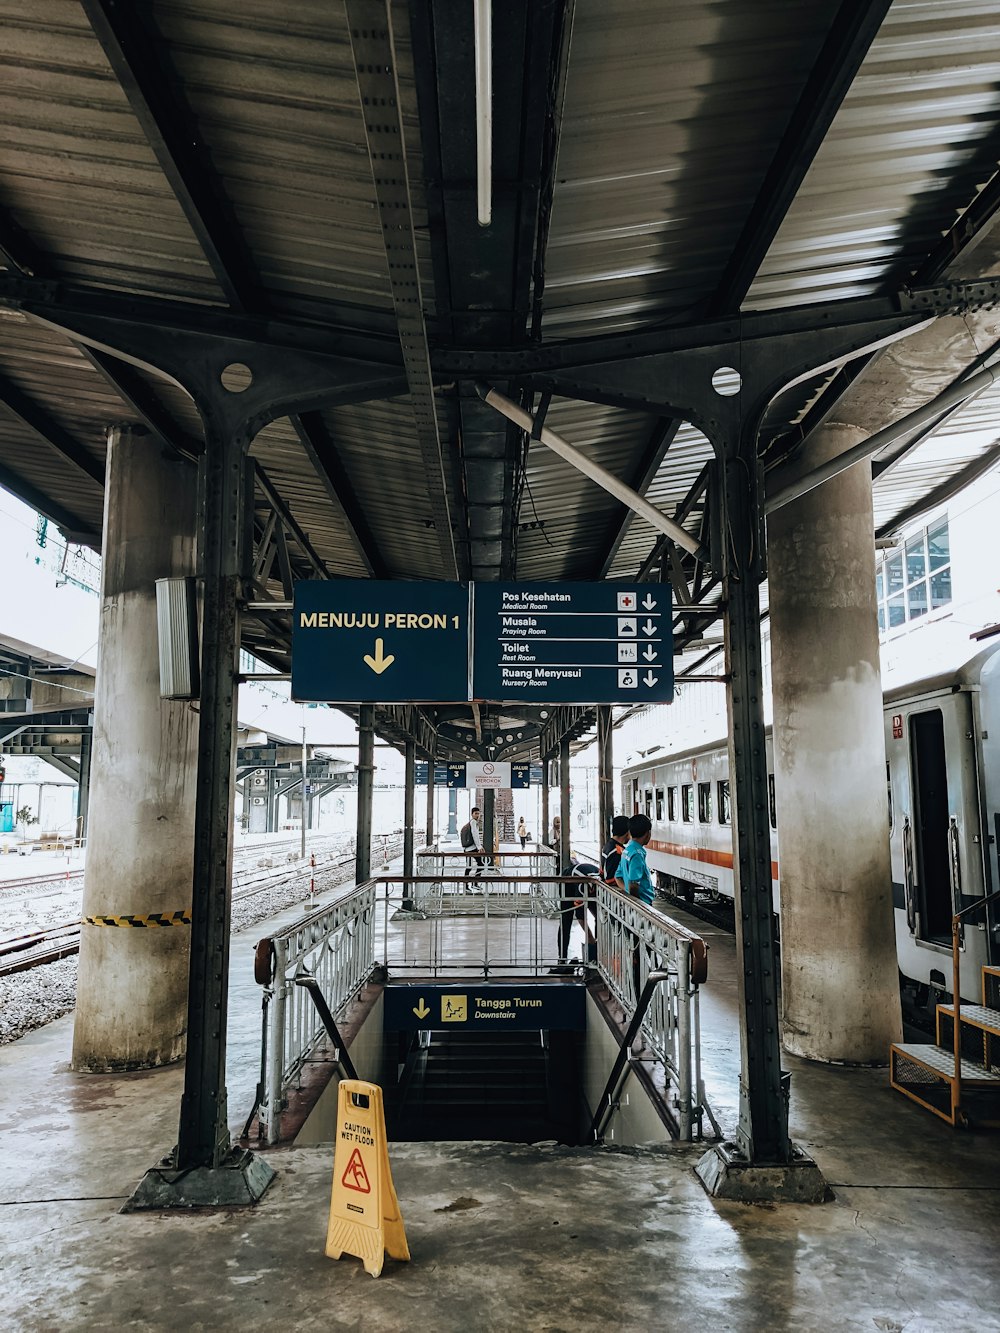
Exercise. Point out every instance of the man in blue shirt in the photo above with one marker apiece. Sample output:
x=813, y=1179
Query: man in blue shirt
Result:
x=633, y=873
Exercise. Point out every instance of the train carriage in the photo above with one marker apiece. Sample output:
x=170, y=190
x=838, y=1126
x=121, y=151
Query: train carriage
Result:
x=942, y=737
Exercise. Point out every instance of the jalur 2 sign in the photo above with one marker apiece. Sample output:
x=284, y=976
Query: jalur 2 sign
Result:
x=368, y=640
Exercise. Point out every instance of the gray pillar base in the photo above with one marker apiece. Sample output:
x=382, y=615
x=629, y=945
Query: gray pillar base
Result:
x=239, y=1182
x=727, y=1174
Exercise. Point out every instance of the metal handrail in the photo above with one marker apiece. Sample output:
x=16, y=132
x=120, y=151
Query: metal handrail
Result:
x=956, y=993
x=340, y=1053
x=605, y=1107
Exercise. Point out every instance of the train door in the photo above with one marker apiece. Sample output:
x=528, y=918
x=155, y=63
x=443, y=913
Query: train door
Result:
x=930, y=826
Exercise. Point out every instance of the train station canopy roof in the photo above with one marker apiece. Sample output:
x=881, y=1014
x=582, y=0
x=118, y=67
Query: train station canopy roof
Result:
x=302, y=179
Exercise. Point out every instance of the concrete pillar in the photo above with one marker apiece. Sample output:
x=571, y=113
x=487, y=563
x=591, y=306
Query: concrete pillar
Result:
x=839, y=973
x=131, y=1006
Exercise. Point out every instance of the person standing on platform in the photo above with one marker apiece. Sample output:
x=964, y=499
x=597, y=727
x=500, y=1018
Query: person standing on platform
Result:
x=472, y=840
x=556, y=832
x=611, y=852
x=633, y=872
x=633, y=876
x=522, y=832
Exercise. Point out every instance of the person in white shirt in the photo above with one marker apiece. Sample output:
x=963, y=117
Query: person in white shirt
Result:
x=472, y=839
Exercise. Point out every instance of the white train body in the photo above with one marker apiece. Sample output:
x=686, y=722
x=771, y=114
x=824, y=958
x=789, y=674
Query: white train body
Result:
x=942, y=738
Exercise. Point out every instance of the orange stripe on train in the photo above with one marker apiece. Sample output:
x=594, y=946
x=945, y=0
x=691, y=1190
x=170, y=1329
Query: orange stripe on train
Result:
x=723, y=859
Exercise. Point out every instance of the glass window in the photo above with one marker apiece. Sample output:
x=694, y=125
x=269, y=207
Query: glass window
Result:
x=687, y=803
x=659, y=805
x=770, y=801
x=939, y=545
x=940, y=588
x=916, y=599
x=705, y=802
x=725, y=814
x=672, y=804
x=649, y=803
x=916, y=560
x=915, y=580
x=894, y=574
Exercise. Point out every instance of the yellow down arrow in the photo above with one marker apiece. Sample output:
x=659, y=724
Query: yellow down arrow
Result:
x=380, y=661
x=421, y=1010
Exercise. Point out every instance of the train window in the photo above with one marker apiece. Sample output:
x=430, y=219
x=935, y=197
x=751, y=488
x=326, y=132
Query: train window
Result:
x=725, y=813
x=705, y=802
x=659, y=805
x=649, y=803
x=672, y=804
x=772, y=809
x=687, y=802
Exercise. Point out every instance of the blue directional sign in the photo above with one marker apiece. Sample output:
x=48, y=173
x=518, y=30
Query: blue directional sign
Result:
x=420, y=774
x=380, y=641
x=523, y=776
x=485, y=1008
x=568, y=643
x=456, y=775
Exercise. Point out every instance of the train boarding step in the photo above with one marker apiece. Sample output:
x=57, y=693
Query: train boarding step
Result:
x=927, y=1074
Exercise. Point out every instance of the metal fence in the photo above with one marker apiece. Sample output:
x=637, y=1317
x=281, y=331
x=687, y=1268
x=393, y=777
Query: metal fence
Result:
x=515, y=922
x=336, y=945
x=634, y=941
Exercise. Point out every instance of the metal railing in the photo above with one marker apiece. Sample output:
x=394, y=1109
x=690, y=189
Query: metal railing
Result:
x=442, y=882
x=957, y=1114
x=515, y=925
x=336, y=947
x=634, y=946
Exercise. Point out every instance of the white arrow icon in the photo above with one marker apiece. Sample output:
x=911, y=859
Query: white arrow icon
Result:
x=649, y=679
x=649, y=653
x=648, y=602
x=649, y=627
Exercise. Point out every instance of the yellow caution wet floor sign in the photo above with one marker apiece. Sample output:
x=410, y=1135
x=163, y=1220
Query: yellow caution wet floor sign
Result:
x=364, y=1212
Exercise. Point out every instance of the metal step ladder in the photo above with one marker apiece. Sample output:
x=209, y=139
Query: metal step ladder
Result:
x=934, y=1075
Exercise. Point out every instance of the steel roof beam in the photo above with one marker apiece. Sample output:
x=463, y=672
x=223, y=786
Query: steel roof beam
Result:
x=658, y=444
x=329, y=466
x=373, y=49
x=172, y=133
x=270, y=493
x=847, y=43
x=18, y=248
x=139, y=398
x=70, y=525
x=30, y=414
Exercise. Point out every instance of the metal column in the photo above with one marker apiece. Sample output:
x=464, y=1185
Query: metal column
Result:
x=429, y=829
x=735, y=1170
x=83, y=796
x=205, y=1168
x=563, y=804
x=543, y=836
x=409, y=792
x=366, y=791
x=489, y=821
x=605, y=774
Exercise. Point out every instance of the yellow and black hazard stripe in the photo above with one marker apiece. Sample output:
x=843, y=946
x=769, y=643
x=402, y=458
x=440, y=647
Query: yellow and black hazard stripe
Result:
x=154, y=919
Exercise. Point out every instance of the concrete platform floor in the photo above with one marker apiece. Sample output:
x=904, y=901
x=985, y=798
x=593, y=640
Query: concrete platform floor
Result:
x=502, y=1237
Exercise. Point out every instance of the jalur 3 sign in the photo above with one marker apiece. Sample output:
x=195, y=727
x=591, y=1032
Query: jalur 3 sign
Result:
x=368, y=640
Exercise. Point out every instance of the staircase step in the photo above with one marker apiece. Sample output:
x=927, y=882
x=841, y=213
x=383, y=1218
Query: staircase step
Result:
x=942, y=1063
x=976, y=1016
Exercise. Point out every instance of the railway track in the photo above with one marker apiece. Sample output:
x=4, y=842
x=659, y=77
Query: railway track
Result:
x=19, y=953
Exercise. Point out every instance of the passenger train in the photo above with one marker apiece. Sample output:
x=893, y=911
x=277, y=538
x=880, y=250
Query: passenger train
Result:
x=942, y=740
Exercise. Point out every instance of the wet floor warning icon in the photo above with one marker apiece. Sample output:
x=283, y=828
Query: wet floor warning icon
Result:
x=356, y=1177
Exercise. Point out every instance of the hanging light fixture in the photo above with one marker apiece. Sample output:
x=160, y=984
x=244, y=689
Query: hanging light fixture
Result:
x=484, y=111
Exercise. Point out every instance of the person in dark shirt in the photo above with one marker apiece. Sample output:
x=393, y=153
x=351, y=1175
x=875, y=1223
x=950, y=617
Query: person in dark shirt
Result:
x=611, y=852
